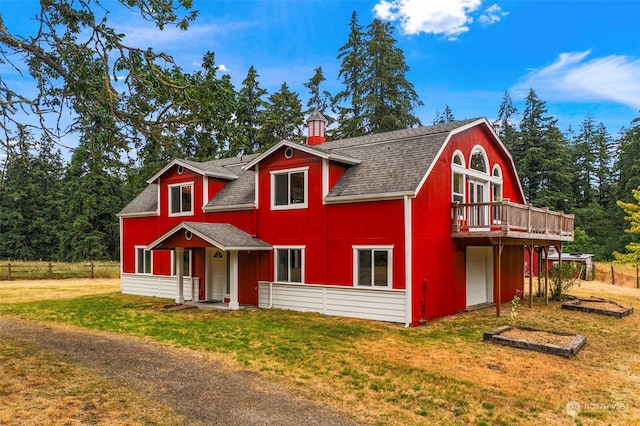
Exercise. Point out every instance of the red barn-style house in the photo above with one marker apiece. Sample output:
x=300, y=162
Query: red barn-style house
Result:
x=403, y=226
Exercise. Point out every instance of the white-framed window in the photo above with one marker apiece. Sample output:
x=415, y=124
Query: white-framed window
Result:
x=181, y=199
x=458, y=181
x=496, y=193
x=144, y=259
x=373, y=266
x=186, y=263
x=478, y=160
x=289, y=264
x=290, y=188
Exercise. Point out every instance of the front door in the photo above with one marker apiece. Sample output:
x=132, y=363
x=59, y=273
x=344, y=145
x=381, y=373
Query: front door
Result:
x=479, y=275
x=218, y=278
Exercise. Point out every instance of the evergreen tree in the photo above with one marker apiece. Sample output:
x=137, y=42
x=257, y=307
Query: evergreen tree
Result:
x=542, y=157
x=319, y=99
x=210, y=125
x=250, y=103
x=31, y=200
x=282, y=118
x=389, y=98
x=355, y=62
x=584, y=158
x=445, y=117
x=505, y=123
x=628, y=161
x=93, y=194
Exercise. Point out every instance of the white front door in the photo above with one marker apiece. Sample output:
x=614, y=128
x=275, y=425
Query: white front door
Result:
x=218, y=270
x=479, y=275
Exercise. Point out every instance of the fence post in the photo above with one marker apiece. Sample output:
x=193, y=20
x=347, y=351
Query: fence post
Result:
x=637, y=276
x=613, y=276
x=92, y=266
x=8, y=271
x=50, y=271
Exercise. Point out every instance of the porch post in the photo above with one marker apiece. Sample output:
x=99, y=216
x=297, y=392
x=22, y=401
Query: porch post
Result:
x=233, y=280
x=179, y=274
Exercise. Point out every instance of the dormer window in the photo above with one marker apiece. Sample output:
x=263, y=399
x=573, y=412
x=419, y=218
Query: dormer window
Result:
x=289, y=189
x=181, y=199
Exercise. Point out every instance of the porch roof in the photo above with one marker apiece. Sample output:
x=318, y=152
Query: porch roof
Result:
x=222, y=235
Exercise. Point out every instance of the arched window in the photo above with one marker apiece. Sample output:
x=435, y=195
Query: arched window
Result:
x=458, y=184
x=478, y=160
x=496, y=185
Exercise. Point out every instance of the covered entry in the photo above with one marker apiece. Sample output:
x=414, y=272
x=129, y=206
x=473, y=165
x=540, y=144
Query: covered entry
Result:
x=224, y=245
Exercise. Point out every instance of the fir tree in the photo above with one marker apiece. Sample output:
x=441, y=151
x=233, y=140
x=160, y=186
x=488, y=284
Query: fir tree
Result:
x=250, y=103
x=282, y=118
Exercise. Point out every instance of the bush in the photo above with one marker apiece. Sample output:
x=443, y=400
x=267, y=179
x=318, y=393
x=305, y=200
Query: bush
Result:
x=562, y=279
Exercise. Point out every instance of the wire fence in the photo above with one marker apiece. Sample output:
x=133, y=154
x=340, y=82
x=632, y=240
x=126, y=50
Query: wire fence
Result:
x=57, y=270
x=624, y=276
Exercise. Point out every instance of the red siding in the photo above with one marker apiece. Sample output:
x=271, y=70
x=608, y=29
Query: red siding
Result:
x=329, y=232
x=439, y=271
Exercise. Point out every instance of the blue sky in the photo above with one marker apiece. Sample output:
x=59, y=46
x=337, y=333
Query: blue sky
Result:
x=579, y=56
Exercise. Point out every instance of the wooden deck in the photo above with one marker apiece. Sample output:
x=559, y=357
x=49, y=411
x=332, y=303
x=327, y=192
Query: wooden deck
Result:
x=510, y=221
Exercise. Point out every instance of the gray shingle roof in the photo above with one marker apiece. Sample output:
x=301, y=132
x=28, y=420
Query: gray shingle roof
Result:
x=222, y=235
x=145, y=202
x=389, y=164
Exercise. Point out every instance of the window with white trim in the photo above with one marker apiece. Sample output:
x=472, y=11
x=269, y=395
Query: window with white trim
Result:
x=372, y=266
x=143, y=261
x=186, y=263
x=181, y=199
x=458, y=181
x=289, y=264
x=496, y=196
x=289, y=189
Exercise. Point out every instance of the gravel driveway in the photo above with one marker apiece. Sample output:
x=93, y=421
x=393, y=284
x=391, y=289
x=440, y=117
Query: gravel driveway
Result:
x=202, y=390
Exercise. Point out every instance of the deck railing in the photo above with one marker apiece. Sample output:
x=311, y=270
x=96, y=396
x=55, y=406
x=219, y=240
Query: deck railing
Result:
x=505, y=216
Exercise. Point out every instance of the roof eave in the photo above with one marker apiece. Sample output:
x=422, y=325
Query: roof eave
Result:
x=368, y=197
x=229, y=208
x=304, y=148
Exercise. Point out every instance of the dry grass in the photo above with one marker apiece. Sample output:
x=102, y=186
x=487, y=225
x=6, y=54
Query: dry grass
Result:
x=441, y=373
x=38, y=389
x=22, y=291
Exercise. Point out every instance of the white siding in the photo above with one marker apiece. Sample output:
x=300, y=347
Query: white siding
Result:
x=154, y=285
x=380, y=305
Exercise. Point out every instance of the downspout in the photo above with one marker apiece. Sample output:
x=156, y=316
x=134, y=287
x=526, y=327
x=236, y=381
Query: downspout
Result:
x=270, y=295
x=408, y=259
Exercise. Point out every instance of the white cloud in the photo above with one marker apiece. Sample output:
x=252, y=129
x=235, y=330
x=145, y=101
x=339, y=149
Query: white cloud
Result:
x=574, y=77
x=491, y=15
x=443, y=17
x=223, y=68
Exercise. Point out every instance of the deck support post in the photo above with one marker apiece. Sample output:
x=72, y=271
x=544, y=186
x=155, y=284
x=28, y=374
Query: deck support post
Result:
x=546, y=274
x=531, y=248
x=498, y=251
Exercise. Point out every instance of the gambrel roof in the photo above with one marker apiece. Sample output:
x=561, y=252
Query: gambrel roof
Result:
x=381, y=166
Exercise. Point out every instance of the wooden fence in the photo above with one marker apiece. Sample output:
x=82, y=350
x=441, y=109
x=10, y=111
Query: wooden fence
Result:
x=50, y=270
x=609, y=274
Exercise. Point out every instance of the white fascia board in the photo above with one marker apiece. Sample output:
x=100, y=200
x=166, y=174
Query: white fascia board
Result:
x=178, y=162
x=303, y=148
x=368, y=197
x=229, y=208
x=139, y=214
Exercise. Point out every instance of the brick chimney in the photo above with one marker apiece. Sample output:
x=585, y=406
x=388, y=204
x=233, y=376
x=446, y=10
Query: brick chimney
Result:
x=315, y=127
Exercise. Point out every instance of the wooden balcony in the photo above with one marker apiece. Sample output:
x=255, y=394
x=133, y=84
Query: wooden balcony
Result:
x=504, y=219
